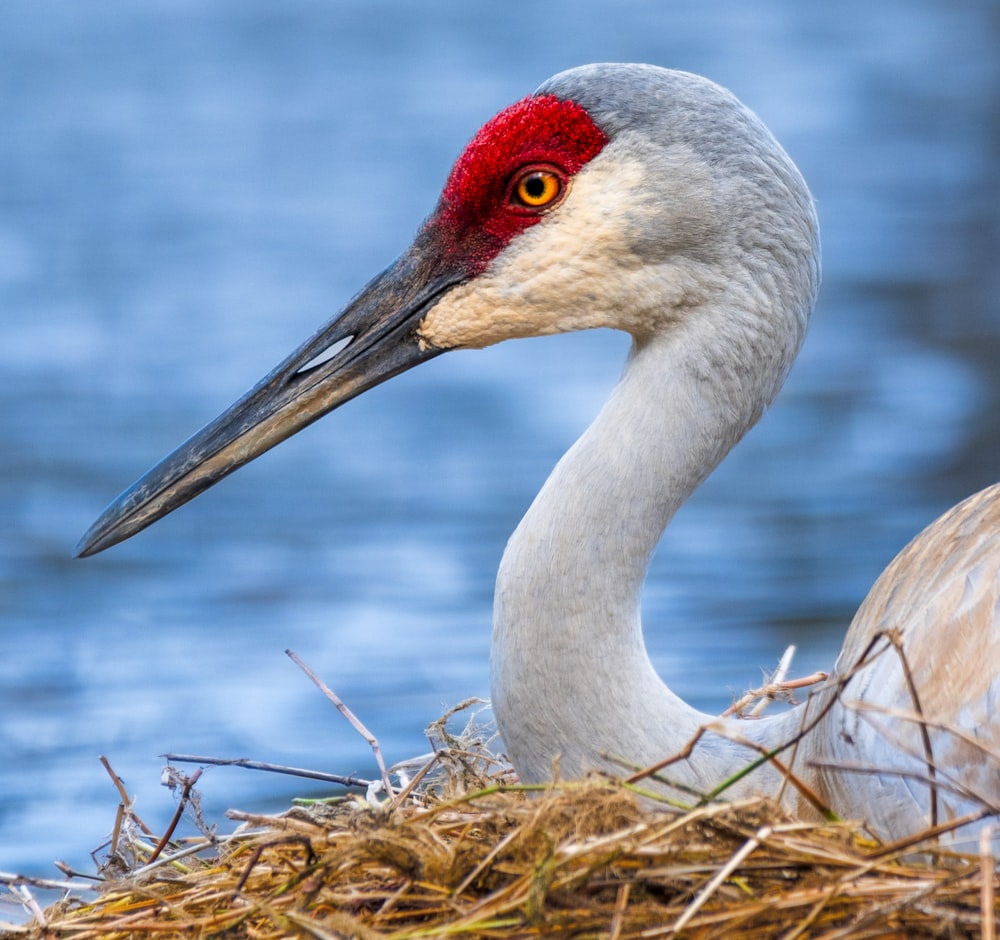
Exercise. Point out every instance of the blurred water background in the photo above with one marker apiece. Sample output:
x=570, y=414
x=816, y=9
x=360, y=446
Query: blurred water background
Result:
x=187, y=190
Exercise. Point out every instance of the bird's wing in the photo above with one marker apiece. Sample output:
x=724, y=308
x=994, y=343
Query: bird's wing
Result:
x=928, y=701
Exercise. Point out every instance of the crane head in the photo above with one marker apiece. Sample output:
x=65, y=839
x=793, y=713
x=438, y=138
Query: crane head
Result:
x=606, y=198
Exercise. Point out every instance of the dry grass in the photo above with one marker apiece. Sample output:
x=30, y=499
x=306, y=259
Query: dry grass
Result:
x=468, y=855
x=461, y=850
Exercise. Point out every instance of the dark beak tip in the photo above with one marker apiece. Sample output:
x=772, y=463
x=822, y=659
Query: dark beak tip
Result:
x=90, y=544
x=83, y=549
x=110, y=528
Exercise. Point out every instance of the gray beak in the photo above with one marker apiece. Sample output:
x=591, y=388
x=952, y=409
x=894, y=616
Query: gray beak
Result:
x=373, y=339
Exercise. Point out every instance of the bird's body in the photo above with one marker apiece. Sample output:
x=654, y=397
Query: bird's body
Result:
x=653, y=202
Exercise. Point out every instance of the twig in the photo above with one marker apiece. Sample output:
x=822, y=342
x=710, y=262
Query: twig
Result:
x=895, y=637
x=116, y=780
x=186, y=852
x=280, y=823
x=270, y=768
x=777, y=686
x=71, y=872
x=355, y=722
x=621, y=906
x=189, y=783
x=887, y=770
x=486, y=861
x=720, y=876
x=254, y=859
x=160, y=861
x=127, y=801
x=767, y=756
x=53, y=884
x=987, y=871
x=776, y=682
x=116, y=830
x=969, y=740
x=411, y=785
x=909, y=843
x=440, y=725
x=30, y=904
x=943, y=779
x=832, y=696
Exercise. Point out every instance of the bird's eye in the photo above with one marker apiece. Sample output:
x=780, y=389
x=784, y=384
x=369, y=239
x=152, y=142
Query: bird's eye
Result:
x=537, y=188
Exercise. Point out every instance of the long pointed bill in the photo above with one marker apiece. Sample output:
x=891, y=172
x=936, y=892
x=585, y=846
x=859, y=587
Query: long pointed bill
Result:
x=371, y=341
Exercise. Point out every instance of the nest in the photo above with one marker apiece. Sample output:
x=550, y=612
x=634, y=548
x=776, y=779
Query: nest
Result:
x=462, y=850
x=590, y=859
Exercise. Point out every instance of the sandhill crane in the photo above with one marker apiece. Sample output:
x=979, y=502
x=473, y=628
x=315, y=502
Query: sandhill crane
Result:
x=649, y=201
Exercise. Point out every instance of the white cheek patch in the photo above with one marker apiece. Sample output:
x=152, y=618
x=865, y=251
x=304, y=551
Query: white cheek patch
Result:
x=568, y=272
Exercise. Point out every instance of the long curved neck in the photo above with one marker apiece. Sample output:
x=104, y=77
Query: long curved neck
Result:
x=571, y=679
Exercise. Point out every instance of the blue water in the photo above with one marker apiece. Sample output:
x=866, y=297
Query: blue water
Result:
x=187, y=190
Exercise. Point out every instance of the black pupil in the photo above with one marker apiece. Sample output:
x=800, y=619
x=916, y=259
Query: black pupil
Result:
x=534, y=186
